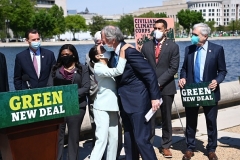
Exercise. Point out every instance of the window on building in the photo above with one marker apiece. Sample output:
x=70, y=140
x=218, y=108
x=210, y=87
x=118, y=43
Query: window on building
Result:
x=224, y=19
x=212, y=14
x=209, y=19
x=200, y=10
x=209, y=10
x=227, y=14
x=212, y=19
x=202, y=4
x=209, y=14
x=212, y=10
x=204, y=14
x=224, y=10
x=205, y=4
x=204, y=10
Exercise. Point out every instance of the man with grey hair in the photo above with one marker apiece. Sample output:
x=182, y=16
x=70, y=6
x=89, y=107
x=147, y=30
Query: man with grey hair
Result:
x=204, y=62
x=138, y=92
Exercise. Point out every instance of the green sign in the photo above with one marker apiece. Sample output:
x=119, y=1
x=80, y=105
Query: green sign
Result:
x=34, y=105
x=197, y=94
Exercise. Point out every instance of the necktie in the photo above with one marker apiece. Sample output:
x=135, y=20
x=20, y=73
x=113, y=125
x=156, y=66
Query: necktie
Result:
x=157, y=51
x=35, y=63
x=197, y=66
x=115, y=60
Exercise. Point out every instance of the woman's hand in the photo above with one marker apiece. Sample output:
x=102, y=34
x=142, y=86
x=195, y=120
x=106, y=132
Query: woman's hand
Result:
x=122, y=51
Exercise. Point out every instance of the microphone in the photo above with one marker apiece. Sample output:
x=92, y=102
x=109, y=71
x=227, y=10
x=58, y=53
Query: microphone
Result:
x=26, y=78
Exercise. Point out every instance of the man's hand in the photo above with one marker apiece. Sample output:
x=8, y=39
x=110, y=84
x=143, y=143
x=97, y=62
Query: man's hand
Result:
x=181, y=82
x=213, y=85
x=155, y=104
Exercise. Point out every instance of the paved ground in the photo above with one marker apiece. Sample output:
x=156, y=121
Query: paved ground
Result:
x=228, y=138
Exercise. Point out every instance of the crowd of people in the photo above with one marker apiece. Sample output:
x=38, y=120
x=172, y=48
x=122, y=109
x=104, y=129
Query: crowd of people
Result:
x=120, y=84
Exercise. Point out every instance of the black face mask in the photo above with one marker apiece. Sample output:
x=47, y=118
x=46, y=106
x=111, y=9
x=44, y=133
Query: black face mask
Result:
x=68, y=60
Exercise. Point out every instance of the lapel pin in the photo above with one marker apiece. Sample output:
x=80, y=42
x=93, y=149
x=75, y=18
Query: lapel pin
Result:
x=210, y=51
x=42, y=56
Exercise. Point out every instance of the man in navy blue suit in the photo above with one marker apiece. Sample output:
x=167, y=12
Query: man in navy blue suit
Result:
x=4, y=86
x=138, y=92
x=34, y=63
x=204, y=62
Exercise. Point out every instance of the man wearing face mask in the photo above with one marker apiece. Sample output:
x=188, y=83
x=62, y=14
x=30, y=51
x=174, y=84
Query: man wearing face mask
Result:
x=203, y=62
x=35, y=62
x=138, y=92
x=163, y=56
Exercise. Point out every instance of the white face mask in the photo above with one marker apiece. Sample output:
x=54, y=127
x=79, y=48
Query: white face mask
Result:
x=158, y=34
x=106, y=55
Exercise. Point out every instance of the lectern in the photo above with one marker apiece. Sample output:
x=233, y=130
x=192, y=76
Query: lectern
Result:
x=29, y=121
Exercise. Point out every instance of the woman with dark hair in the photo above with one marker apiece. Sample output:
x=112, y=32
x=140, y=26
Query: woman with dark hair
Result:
x=71, y=71
x=105, y=107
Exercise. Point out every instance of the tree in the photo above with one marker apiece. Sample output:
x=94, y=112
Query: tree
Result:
x=44, y=23
x=151, y=14
x=97, y=24
x=75, y=23
x=20, y=13
x=126, y=24
x=58, y=16
x=211, y=25
x=188, y=18
x=234, y=25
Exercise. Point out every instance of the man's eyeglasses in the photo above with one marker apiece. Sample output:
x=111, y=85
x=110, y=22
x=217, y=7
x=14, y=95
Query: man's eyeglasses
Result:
x=194, y=34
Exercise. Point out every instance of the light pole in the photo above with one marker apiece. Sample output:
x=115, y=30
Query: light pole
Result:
x=7, y=28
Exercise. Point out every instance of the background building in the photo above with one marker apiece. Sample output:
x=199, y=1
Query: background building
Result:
x=169, y=7
x=50, y=3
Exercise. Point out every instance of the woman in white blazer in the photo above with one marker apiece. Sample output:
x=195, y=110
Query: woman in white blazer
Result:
x=105, y=107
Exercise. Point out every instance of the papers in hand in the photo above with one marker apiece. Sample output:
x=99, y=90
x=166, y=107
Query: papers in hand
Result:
x=150, y=113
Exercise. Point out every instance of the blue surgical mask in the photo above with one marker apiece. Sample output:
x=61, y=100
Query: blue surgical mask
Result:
x=107, y=48
x=35, y=45
x=195, y=39
x=106, y=55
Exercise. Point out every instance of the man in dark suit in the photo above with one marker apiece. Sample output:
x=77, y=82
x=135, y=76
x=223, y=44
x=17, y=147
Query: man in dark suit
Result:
x=4, y=86
x=35, y=62
x=163, y=56
x=203, y=62
x=138, y=93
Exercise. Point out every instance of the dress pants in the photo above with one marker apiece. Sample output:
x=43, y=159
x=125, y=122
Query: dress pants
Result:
x=74, y=124
x=166, y=116
x=210, y=113
x=106, y=134
x=137, y=133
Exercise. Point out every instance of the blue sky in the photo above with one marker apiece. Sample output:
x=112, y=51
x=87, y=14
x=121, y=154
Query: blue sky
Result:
x=110, y=7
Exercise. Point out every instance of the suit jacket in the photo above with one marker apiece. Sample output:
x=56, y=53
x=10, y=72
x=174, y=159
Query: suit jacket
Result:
x=138, y=85
x=24, y=65
x=215, y=66
x=167, y=66
x=4, y=86
x=106, y=98
x=82, y=80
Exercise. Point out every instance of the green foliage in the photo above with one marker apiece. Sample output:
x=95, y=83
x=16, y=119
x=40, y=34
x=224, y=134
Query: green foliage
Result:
x=57, y=14
x=221, y=28
x=97, y=24
x=188, y=18
x=211, y=25
x=44, y=23
x=20, y=13
x=75, y=23
x=153, y=15
x=126, y=24
x=233, y=25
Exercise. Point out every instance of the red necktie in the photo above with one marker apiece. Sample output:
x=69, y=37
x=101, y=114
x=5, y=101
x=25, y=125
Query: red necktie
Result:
x=157, y=51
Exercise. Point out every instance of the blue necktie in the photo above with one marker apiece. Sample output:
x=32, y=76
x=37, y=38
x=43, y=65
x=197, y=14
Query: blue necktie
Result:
x=197, y=66
x=115, y=60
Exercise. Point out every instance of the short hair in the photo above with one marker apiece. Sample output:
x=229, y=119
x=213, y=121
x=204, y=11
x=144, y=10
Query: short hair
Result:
x=163, y=22
x=113, y=32
x=33, y=31
x=97, y=36
x=204, y=28
x=93, y=52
